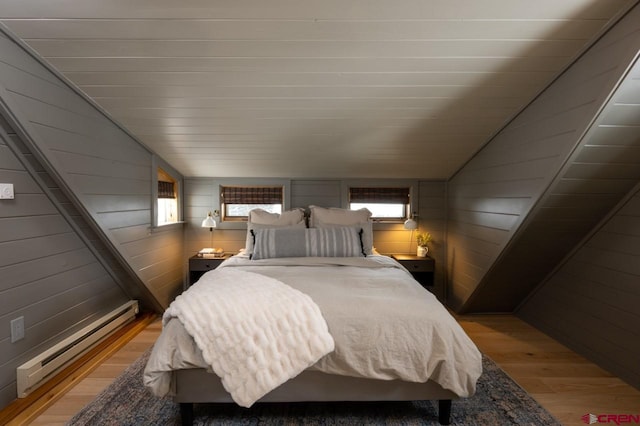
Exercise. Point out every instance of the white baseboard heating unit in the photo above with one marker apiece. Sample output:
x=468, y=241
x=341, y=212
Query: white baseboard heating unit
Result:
x=33, y=373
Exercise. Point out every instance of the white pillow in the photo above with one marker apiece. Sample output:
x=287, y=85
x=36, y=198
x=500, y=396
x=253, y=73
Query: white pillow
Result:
x=322, y=217
x=287, y=218
x=260, y=219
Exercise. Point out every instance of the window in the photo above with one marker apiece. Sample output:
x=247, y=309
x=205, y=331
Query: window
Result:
x=237, y=201
x=384, y=203
x=166, y=193
x=167, y=198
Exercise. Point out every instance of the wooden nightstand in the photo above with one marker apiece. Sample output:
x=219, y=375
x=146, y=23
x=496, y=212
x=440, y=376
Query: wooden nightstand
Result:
x=199, y=265
x=421, y=268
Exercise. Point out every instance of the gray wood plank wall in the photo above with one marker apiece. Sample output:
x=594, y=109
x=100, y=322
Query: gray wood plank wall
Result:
x=590, y=303
x=50, y=276
x=599, y=173
x=202, y=195
x=490, y=198
x=107, y=173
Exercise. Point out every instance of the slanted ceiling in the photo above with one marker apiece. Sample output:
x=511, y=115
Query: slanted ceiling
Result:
x=359, y=88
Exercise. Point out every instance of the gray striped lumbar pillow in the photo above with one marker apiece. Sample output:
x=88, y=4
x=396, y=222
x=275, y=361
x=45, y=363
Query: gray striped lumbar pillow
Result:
x=317, y=242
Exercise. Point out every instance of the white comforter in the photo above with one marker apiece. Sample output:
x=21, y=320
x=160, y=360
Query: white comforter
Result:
x=384, y=324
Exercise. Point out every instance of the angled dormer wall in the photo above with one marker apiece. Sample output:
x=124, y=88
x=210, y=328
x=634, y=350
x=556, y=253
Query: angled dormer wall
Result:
x=76, y=241
x=590, y=302
x=50, y=273
x=532, y=193
x=105, y=173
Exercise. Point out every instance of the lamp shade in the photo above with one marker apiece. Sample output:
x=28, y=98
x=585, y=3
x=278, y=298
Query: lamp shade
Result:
x=410, y=224
x=209, y=221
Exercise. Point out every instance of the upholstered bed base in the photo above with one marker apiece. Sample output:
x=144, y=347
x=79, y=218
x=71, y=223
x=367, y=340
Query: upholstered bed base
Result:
x=198, y=386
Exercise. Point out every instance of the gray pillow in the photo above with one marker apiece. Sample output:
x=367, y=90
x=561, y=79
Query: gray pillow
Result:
x=306, y=242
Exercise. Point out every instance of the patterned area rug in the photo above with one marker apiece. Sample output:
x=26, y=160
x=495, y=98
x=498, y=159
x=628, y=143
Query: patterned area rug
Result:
x=498, y=401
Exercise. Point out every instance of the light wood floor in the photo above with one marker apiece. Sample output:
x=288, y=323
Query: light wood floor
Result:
x=563, y=382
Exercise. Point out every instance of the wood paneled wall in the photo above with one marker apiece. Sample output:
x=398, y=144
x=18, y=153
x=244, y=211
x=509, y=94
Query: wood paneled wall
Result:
x=590, y=303
x=202, y=195
x=492, y=263
x=600, y=172
x=101, y=168
x=49, y=274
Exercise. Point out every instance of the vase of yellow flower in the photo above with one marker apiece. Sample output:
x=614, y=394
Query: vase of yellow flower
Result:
x=422, y=239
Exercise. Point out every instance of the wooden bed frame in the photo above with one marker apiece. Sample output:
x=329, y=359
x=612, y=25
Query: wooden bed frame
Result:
x=198, y=386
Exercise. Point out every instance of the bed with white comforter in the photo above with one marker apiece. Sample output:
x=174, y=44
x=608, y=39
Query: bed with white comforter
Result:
x=379, y=323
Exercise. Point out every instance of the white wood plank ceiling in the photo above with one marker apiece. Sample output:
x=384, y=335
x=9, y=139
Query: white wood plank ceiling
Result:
x=291, y=88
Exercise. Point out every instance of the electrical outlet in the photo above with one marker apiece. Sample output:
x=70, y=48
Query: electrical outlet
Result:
x=6, y=191
x=17, y=329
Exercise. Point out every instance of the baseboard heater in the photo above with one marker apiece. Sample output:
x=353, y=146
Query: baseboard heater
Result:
x=34, y=372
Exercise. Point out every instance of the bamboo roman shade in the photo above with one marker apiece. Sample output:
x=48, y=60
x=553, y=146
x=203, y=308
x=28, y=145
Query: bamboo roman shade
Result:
x=166, y=189
x=379, y=195
x=251, y=194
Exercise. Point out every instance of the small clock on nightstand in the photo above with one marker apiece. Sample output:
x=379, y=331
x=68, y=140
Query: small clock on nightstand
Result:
x=421, y=268
x=199, y=265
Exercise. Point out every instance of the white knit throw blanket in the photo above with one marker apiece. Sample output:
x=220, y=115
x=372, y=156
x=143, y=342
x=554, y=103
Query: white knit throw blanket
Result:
x=254, y=331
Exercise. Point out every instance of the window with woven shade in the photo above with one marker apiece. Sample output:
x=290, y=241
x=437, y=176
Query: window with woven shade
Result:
x=167, y=208
x=237, y=201
x=385, y=203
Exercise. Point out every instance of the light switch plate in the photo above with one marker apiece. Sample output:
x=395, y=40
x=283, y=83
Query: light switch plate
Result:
x=6, y=191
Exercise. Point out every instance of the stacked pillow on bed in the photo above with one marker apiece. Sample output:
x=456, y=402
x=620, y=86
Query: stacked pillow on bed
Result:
x=262, y=219
x=332, y=232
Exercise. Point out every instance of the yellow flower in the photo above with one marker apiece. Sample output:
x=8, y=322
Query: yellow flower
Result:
x=423, y=238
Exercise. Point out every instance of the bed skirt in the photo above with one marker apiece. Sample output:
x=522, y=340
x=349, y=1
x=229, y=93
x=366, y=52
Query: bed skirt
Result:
x=199, y=386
